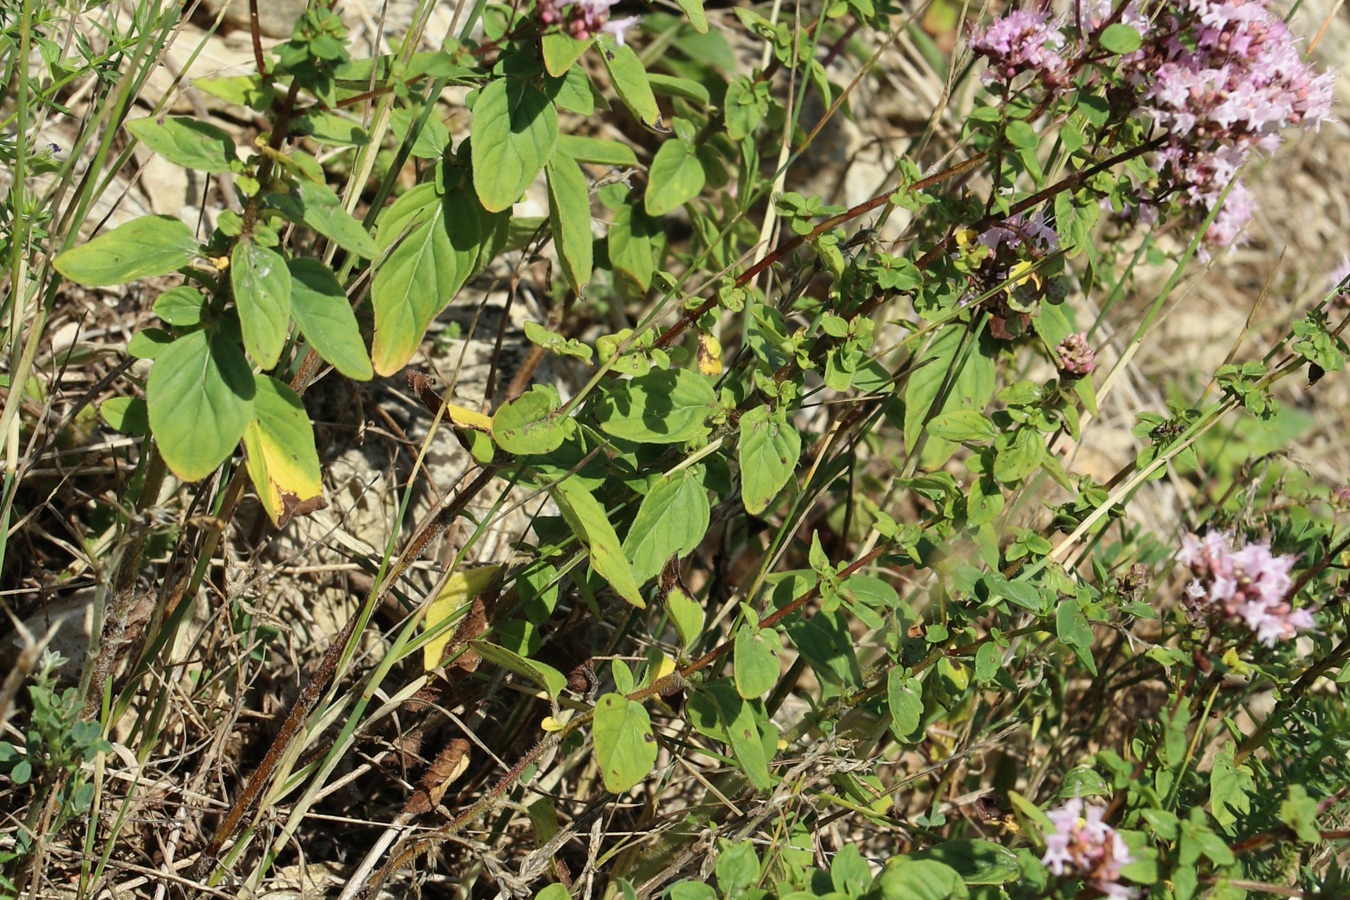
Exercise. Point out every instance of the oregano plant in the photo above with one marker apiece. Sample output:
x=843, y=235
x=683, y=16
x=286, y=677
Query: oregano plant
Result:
x=812, y=594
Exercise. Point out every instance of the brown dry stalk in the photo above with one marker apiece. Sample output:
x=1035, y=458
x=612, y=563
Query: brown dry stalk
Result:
x=309, y=697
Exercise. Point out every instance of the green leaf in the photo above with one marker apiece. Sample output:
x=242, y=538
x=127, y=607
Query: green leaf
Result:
x=515, y=128
x=669, y=406
x=768, y=455
x=128, y=415
x=969, y=389
x=441, y=243
x=553, y=892
x=555, y=343
x=200, y=400
x=187, y=142
x=600, y=151
x=325, y=318
x=282, y=460
x=1072, y=629
x=238, y=90
x=148, y=343
x=1071, y=625
x=697, y=17
x=1198, y=839
x=1082, y=781
x=630, y=79
x=904, y=696
x=561, y=51
x=333, y=129
x=1074, y=219
x=1120, y=39
x=745, y=105
x=1020, y=458
x=547, y=677
x=529, y=424
x=1175, y=741
x=962, y=425
x=687, y=616
x=625, y=747
x=983, y=502
x=622, y=675
x=262, y=291
x=871, y=591
x=827, y=644
x=569, y=214
x=317, y=206
x=182, y=307
x=590, y=523
x=142, y=248
x=1022, y=593
x=538, y=589
x=1230, y=788
x=1299, y=812
x=674, y=86
x=755, y=664
x=574, y=93
x=977, y=862
x=430, y=141
x=987, y=662
x=676, y=177
x=738, y=719
x=737, y=868
x=635, y=239
x=671, y=521
x=905, y=878
x=1022, y=135
x=849, y=873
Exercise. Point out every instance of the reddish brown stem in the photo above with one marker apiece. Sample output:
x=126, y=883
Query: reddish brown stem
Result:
x=255, y=31
x=673, y=333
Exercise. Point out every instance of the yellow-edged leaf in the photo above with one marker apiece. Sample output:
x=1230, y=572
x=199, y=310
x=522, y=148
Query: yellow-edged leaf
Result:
x=281, y=458
x=467, y=418
x=459, y=590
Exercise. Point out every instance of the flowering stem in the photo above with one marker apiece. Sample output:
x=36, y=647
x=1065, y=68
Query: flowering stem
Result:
x=1047, y=193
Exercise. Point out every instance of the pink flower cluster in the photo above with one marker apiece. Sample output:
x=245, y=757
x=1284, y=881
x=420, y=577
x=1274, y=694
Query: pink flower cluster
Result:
x=1022, y=41
x=1336, y=283
x=1018, y=231
x=1084, y=845
x=1076, y=357
x=583, y=19
x=1248, y=585
x=1221, y=78
x=1223, y=83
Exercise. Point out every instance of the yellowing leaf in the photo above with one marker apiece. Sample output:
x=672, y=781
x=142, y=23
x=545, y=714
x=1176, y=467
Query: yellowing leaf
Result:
x=459, y=590
x=467, y=418
x=1023, y=272
x=709, y=354
x=664, y=668
x=281, y=457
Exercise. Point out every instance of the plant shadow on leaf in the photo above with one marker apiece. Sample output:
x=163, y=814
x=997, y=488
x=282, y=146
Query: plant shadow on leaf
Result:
x=662, y=407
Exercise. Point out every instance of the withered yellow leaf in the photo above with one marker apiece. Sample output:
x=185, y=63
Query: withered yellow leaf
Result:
x=282, y=461
x=467, y=418
x=459, y=590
